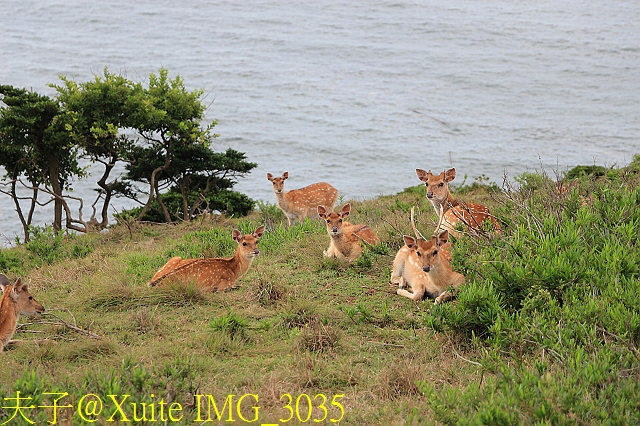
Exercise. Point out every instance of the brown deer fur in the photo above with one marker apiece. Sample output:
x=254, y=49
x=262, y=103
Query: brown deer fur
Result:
x=16, y=300
x=300, y=203
x=425, y=266
x=346, y=239
x=470, y=214
x=213, y=274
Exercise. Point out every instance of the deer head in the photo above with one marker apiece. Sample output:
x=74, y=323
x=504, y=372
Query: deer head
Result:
x=334, y=220
x=278, y=182
x=248, y=244
x=427, y=252
x=19, y=294
x=437, y=185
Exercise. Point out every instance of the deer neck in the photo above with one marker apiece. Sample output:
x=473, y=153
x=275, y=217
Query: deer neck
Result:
x=442, y=274
x=281, y=199
x=240, y=263
x=447, y=203
x=340, y=241
x=8, y=318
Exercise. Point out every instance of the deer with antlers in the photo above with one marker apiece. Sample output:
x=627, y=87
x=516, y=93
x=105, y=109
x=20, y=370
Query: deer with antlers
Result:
x=212, y=274
x=425, y=266
x=470, y=214
x=346, y=239
x=300, y=203
x=16, y=300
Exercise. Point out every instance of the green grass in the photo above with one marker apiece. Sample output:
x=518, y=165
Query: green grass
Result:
x=546, y=330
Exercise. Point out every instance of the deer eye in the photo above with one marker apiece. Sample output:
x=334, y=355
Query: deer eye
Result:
x=30, y=297
x=435, y=252
x=244, y=243
x=441, y=184
x=419, y=254
x=340, y=221
x=328, y=221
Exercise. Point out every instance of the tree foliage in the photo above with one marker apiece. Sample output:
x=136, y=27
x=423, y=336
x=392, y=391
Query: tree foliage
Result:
x=34, y=144
x=99, y=116
x=155, y=130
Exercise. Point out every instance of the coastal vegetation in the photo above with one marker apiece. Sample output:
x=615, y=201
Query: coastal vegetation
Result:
x=545, y=330
x=154, y=130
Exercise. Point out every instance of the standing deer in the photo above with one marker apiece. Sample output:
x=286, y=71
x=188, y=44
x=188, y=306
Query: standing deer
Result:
x=425, y=266
x=213, y=274
x=346, y=239
x=16, y=300
x=300, y=203
x=470, y=214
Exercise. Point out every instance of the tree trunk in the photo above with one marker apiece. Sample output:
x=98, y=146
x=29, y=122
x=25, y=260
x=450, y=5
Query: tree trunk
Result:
x=108, y=190
x=153, y=185
x=25, y=225
x=165, y=212
x=54, y=171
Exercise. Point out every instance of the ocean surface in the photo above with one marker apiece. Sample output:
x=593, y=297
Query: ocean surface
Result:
x=359, y=94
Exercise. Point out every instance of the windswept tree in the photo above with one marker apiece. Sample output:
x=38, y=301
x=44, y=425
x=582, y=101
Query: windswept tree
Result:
x=34, y=145
x=198, y=180
x=156, y=131
x=171, y=121
x=100, y=118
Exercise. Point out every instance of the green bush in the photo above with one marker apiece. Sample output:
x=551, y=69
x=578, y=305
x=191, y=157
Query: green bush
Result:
x=227, y=202
x=560, y=287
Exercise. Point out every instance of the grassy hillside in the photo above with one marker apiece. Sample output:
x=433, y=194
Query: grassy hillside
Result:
x=546, y=330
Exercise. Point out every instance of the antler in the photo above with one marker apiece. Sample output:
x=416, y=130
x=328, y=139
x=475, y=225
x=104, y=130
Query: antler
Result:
x=440, y=220
x=415, y=230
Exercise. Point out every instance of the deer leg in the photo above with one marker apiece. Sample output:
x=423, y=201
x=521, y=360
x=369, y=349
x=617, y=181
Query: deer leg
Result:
x=417, y=296
x=444, y=297
x=396, y=273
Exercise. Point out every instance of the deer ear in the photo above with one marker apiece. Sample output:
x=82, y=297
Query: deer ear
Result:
x=237, y=235
x=422, y=175
x=450, y=175
x=443, y=238
x=285, y=176
x=4, y=280
x=258, y=232
x=269, y=176
x=409, y=241
x=18, y=286
x=322, y=212
x=346, y=210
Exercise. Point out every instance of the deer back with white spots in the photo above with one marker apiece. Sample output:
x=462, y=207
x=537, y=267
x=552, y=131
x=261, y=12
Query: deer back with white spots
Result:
x=300, y=203
x=346, y=238
x=16, y=300
x=212, y=274
x=470, y=214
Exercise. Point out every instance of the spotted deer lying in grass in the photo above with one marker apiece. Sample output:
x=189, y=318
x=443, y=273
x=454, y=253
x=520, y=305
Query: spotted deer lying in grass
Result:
x=470, y=214
x=564, y=192
x=212, y=274
x=425, y=266
x=300, y=203
x=346, y=239
x=16, y=300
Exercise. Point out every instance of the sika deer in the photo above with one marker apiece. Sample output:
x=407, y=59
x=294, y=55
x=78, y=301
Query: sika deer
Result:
x=425, y=265
x=470, y=214
x=300, y=203
x=564, y=192
x=346, y=239
x=16, y=300
x=213, y=274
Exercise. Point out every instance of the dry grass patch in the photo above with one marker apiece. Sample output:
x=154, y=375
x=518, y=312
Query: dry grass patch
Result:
x=399, y=380
x=266, y=292
x=318, y=337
